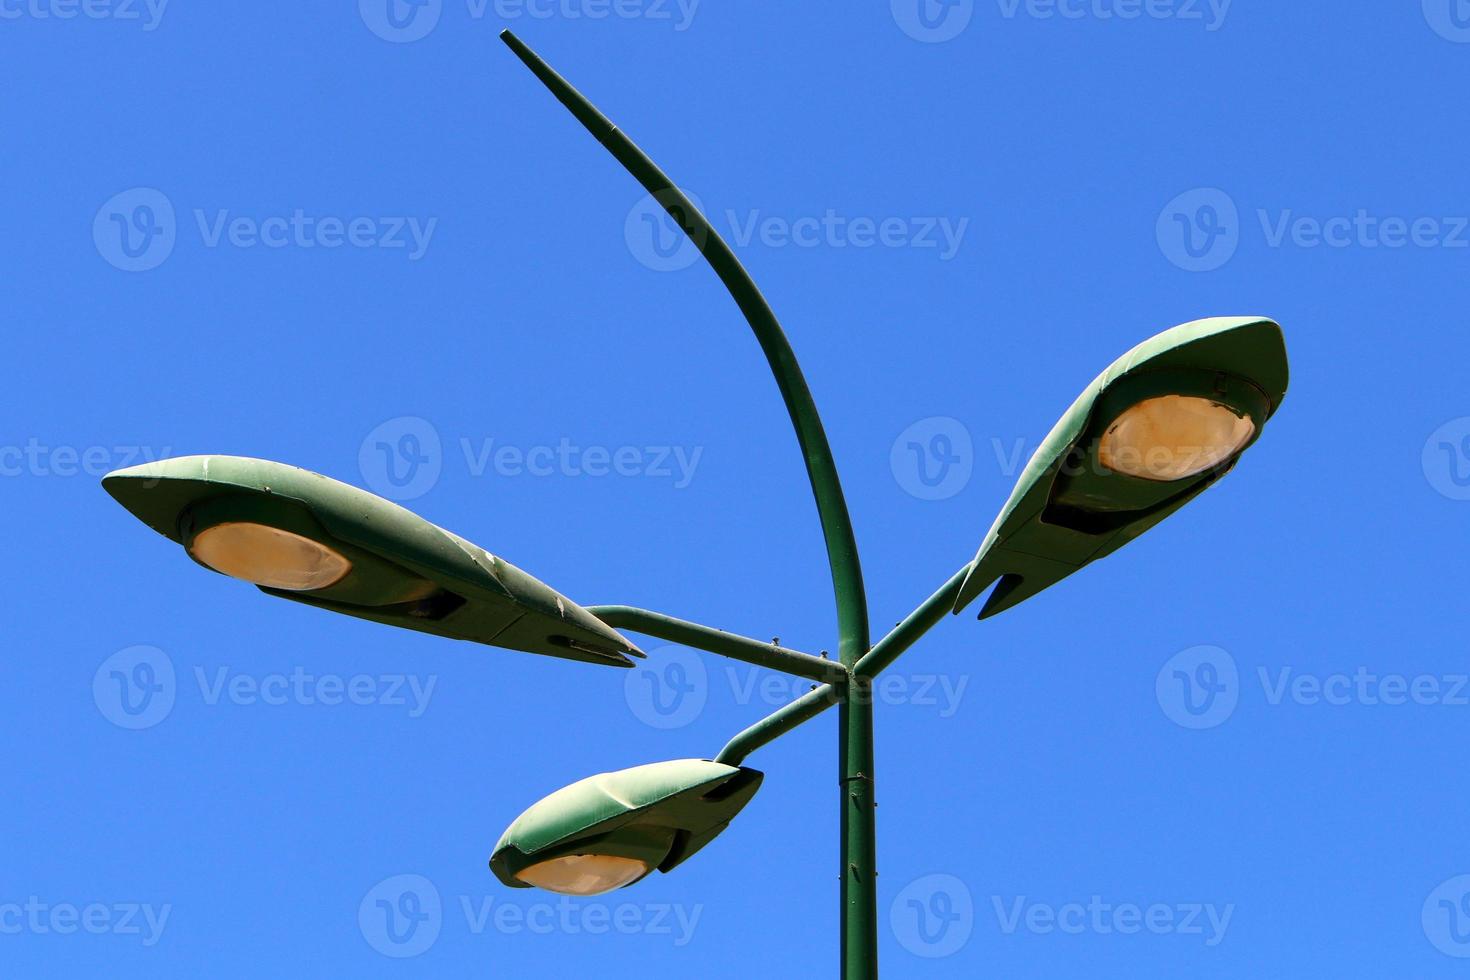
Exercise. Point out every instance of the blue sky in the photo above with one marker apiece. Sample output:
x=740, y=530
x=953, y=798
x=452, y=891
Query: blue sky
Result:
x=363, y=240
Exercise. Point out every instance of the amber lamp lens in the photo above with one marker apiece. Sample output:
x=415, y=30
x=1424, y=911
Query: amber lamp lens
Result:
x=269, y=556
x=584, y=874
x=1174, y=437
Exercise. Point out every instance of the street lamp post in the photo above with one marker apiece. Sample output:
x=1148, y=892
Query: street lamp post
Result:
x=1153, y=431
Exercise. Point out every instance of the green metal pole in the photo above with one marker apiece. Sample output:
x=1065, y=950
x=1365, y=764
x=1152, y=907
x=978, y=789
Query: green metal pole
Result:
x=859, y=833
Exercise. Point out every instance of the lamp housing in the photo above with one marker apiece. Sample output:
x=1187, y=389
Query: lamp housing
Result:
x=306, y=537
x=615, y=828
x=1112, y=467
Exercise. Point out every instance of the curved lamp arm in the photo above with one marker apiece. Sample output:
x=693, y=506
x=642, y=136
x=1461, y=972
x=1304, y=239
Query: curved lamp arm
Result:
x=915, y=625
x=842, y=555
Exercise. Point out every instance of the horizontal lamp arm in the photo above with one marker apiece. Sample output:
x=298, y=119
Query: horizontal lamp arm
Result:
x=730, y=645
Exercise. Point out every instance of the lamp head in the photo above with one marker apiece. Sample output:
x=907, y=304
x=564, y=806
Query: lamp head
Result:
x=302, y=536
x=610, y=830
x=1161, y=424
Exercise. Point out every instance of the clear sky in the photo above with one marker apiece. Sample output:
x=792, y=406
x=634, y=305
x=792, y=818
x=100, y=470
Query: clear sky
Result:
x=361, y=238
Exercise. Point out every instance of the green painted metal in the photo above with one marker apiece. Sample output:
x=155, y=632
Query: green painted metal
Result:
x=405, y=571
x=883, y=654
x=661, y=813
x=1067, y=510
x=914, y=626
x=778, y=723
x=859, y=832
x=718, y=641
x=847, y=577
